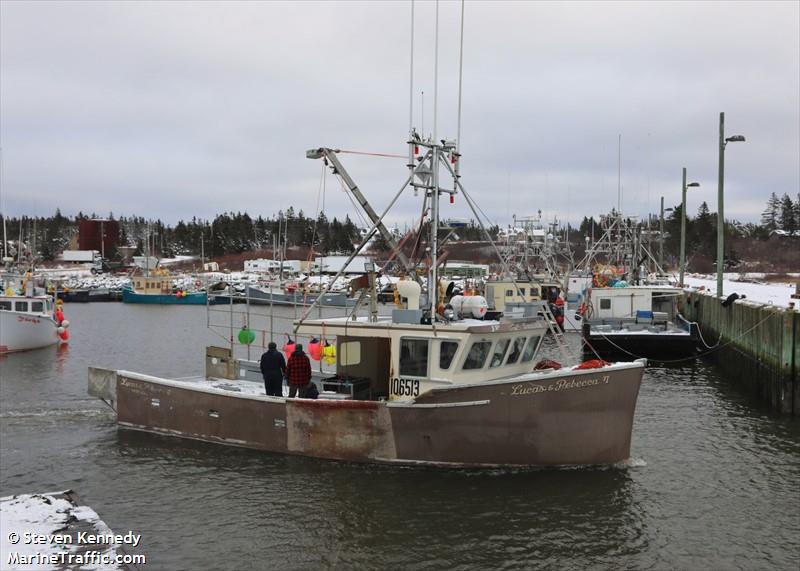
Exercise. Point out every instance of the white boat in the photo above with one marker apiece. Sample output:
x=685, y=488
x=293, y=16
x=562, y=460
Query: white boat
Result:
x=27, y=322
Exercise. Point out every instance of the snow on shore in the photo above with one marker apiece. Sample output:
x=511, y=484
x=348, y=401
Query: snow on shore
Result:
x=27, y=518
x=774, y=293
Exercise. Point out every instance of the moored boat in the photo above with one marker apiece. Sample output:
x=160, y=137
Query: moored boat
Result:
x=627, y=323
x=275, y=295
x=437, y=383
x=158, y=289
x=29, y=320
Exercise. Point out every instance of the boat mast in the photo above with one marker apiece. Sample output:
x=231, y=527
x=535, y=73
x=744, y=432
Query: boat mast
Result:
x=433, y=283
x=2, y=210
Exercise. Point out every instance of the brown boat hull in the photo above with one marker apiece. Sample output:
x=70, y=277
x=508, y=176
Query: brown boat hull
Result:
x=563, y=419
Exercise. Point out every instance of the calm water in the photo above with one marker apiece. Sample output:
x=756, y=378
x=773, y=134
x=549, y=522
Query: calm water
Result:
x=714, y=482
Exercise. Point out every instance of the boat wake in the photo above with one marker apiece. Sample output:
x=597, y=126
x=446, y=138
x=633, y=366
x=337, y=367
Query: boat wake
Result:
x=54, y=414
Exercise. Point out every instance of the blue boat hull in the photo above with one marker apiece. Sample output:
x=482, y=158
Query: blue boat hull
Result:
x=196, y=298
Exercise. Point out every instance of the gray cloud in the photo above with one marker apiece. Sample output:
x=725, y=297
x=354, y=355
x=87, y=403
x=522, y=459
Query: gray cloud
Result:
x=179, y=109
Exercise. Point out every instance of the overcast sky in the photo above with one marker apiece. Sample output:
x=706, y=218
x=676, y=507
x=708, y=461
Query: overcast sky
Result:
x=183, y=109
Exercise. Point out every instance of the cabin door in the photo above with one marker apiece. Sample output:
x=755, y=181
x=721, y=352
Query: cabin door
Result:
x=365, y=358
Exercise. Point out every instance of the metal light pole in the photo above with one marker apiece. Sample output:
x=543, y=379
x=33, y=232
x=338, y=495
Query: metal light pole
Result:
x=661, y=234
x=661, y=237
x=684, y=186
x=720, y=214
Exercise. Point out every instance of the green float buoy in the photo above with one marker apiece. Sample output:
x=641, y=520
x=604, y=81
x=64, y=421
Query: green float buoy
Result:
x=246, y=336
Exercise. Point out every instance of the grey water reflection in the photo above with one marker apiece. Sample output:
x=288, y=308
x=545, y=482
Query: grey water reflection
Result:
x=366, y=516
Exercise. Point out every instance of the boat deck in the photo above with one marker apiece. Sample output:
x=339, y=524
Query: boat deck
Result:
x=249, y=389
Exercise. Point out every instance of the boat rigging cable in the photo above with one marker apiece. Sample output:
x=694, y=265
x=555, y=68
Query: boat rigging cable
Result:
x=411, y=87
x=460, y=83
x=369, y=154
x=320, y=198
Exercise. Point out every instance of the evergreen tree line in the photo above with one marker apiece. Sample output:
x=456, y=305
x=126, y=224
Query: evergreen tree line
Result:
x=235, y=233
x=781, y=214
x=227, y=233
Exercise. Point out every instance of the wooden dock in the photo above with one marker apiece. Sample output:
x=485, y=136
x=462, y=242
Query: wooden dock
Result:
x=755, y=344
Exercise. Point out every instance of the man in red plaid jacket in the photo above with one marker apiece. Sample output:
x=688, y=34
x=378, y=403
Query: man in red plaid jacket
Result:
x=298, y=373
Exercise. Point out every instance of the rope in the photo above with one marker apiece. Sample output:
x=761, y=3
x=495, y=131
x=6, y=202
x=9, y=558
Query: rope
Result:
x=700, y=333
x=320, y=193
x=353, y=202
x=591, y=347
x=386, y=155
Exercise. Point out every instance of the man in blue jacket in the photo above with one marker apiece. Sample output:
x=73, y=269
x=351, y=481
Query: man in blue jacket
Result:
x=273, y=367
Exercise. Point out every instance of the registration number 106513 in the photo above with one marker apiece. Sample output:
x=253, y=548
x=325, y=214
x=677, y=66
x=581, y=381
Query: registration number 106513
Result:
x=404, y=387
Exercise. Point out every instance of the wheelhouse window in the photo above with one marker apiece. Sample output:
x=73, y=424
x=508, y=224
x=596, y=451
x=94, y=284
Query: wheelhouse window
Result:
x=499, y=353
x=414, y=357
x=37, y=306
x=5, y=306
x=477, y=355
x=21, y=306
x=447, y=350
x=530, y=349
x=516, y=350
x=350, y=353
x=509, y=292
x=605, y=303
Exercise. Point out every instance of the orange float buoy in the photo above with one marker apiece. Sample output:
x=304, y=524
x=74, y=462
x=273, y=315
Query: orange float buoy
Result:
x=315, y=349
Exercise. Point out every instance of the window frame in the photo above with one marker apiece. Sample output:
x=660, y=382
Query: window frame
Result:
x=485, y=358
x=427, y=358
x=507, y=341
x=521, y=350
x=457, y=343
x=535, y=339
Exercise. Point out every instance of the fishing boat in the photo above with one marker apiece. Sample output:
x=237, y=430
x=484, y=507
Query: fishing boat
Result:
x=158, y=289
x=90, y=294
x=439, y=382
x=276, y=295
x=634, y=322
x=29, y=320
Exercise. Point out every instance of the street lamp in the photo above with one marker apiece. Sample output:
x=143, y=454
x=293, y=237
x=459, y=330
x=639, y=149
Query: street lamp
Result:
x=720, y=203
x=661, y=235
x=684, y=186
